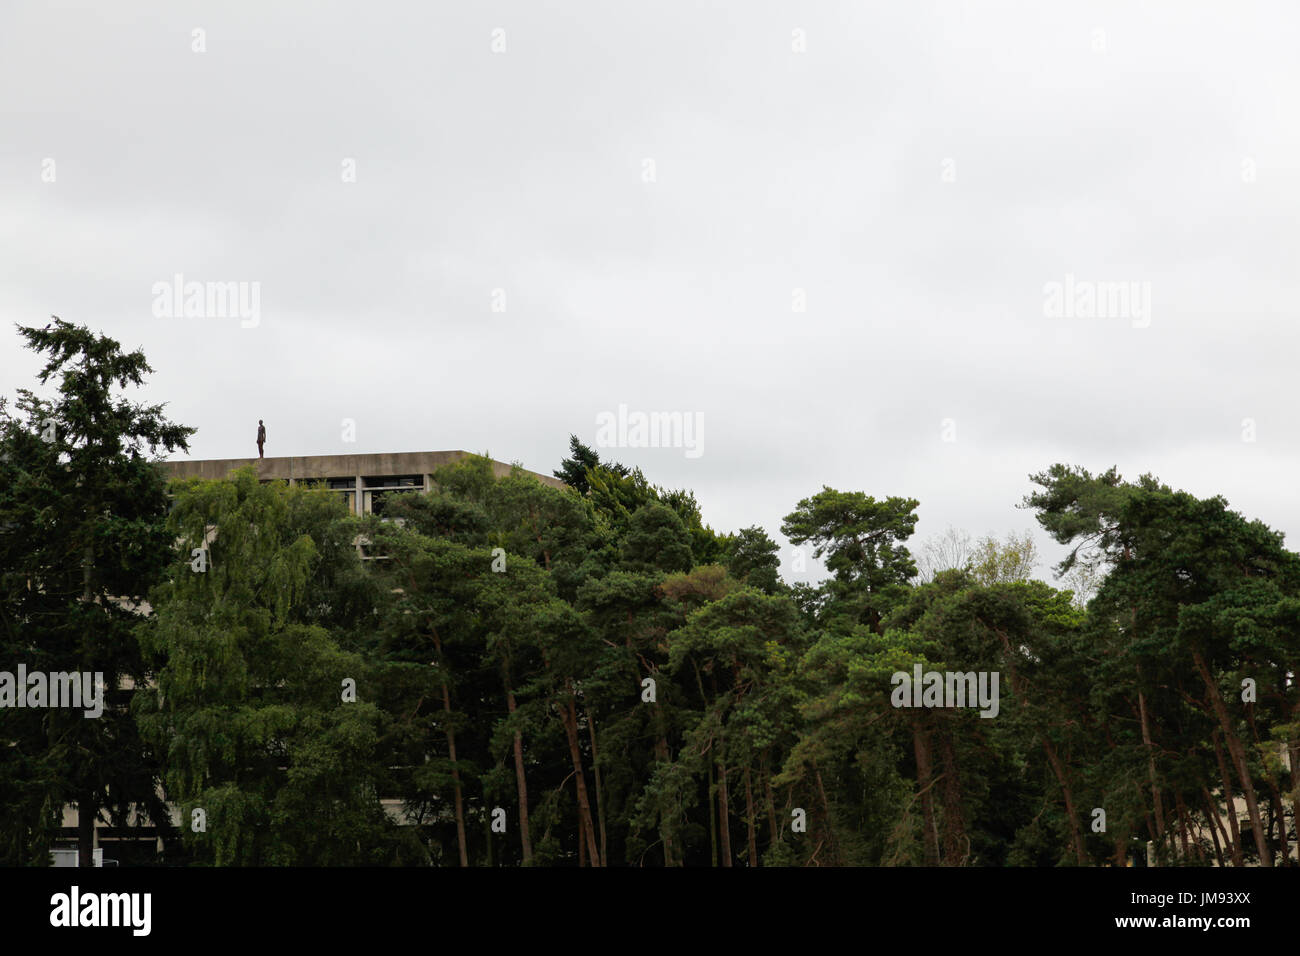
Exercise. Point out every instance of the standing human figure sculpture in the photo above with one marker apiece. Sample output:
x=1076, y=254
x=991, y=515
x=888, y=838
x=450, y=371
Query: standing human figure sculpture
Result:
x=261, y=437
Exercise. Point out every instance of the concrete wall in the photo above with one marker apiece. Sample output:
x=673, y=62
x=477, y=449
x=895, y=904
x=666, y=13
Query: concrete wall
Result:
x=316, y=467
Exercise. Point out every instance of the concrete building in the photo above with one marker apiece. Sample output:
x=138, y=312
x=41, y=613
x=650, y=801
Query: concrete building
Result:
x=365, y=480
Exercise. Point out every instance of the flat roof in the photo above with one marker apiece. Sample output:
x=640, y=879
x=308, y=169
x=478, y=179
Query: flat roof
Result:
x=316, y=467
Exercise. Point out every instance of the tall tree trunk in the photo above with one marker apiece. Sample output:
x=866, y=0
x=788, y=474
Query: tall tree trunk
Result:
x=1182, y=827
x=713, y=831
x=1214, y=828
x=1277, y=811
x=87, y=808
x=1058, y=767
x=773, y=828
x=826, y=817
x=569, y=716
x=1277, y=807
x=86, y=811
x=1230, y=805
x=724, y=808
x=713, y=819
x=1152, y=777
x=1238, y=754
x=455, y=779
x=1076, y=828
x=1293, y=758
x=1293, y=755
x=662, y=754
x=924, y=773
x=665, y=826
x=450, y=733
x=954, y=825
x=749, y=819
x=1216, y=824
x=600, y=802
x=521, y=782
x=724, y=814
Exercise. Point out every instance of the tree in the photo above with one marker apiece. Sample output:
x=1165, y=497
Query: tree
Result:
x=863, y=539
x=573, y=470
x=656, y=541
x=265, y=722
x=1195, y=595
x=82, y=512
x=950, y=551
x=1003, y=562
x=730, y=645
x=754, y=558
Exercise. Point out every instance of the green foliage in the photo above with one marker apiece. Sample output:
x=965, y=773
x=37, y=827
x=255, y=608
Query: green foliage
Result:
x=82, y=540
x=619, y=682
x=250, y=706
x=573, y=471
x=753, y=557
x=862, y=540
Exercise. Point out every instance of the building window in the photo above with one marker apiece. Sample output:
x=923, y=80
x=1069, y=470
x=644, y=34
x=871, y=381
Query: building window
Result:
x=377, y=489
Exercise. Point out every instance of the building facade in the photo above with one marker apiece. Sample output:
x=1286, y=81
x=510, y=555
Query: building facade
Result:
x=364, y=480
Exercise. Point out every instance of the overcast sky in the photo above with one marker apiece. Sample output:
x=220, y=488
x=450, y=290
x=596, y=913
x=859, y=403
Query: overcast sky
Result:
x=651, y=192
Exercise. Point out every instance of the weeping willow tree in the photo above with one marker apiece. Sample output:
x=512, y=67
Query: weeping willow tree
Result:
x=258, y=708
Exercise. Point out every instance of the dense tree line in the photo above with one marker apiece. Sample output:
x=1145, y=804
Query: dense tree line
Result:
x=502, y=672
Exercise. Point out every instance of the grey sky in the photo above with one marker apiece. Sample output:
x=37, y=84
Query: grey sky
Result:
x=920, y=172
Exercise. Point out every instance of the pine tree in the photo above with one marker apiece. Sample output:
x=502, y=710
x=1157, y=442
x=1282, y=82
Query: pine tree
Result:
x=82, y=511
